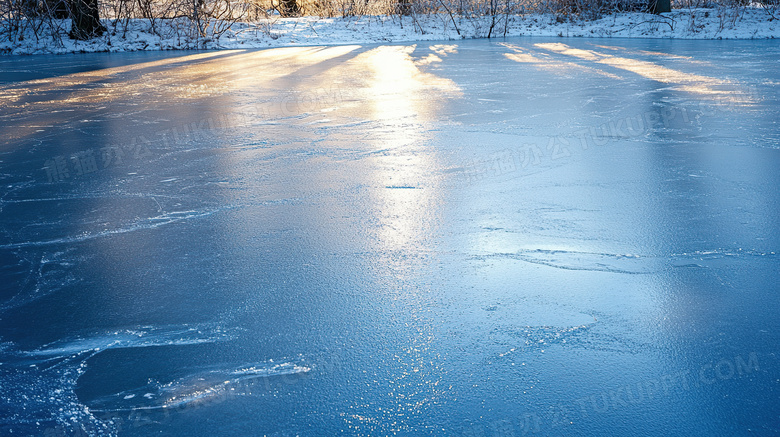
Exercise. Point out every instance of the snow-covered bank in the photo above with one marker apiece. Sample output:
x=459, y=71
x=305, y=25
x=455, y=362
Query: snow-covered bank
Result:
x=745, y=23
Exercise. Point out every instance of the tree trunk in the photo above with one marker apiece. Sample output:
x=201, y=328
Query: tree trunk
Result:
x=660, y=6
x=86, y=21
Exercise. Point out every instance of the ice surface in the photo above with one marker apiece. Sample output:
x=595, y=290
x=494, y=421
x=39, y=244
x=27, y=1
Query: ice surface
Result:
x=38, y=385
x=200, y=387
x=530, y=236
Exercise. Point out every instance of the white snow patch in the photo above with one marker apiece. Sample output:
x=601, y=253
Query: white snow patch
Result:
x=746, y=23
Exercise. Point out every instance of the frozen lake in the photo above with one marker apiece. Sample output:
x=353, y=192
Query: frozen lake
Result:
x=525, y=237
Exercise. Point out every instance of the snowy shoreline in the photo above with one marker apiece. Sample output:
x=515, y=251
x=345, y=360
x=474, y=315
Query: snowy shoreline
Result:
x=136, y=35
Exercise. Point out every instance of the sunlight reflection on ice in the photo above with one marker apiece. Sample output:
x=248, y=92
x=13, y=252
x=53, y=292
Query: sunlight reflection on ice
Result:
x=687, y=82
x=395, y=88
x=543, y=61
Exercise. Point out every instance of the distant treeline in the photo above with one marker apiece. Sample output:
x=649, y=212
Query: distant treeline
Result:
x=210, y=18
